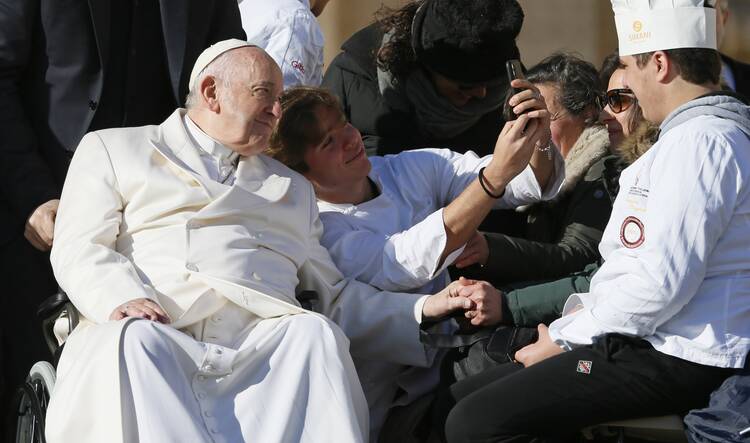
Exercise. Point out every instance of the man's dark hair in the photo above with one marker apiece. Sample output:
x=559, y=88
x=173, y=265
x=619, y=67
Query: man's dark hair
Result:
x=577, y=81
x=695, y=65
x=298, y=128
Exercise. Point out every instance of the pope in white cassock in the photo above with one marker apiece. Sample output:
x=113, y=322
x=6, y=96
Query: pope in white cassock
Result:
x=184, y=250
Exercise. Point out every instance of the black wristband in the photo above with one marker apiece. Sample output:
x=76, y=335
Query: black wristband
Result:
x=484, y=186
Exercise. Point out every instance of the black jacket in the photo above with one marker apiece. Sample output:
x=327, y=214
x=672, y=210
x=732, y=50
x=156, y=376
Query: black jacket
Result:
x=741, y=73
x=352, y=76
x=51, y=77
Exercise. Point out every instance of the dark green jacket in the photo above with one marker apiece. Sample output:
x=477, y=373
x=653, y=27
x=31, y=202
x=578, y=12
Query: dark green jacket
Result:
x=531, y=304
x=552, y=239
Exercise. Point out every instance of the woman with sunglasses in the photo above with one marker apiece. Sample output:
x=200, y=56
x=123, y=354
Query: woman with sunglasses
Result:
x=553, y=239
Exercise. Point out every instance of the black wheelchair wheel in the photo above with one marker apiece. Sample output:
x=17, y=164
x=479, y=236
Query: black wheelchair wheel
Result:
x=32, y=399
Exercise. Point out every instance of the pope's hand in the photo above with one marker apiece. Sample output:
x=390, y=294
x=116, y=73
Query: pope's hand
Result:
x=40, y=227
x=140, y=308
x=447, y=301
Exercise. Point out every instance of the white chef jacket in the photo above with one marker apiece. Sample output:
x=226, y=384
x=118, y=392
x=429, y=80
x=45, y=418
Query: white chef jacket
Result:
x=394, y=241
x=676, y=250
x=290, y=34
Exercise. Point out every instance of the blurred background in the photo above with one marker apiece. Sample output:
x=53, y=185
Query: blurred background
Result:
x=585, y=27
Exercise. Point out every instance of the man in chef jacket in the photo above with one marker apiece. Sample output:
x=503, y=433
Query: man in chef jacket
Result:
x=665, y=321
x=185, y=249
x=288, y=30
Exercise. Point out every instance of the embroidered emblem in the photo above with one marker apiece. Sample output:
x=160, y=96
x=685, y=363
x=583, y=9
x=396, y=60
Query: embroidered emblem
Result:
x=584, y=366
x=296, y=64
x=632, y=232
x=637, y=197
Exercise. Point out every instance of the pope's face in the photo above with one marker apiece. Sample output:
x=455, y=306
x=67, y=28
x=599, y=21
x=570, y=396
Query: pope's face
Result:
x=338, y=163
x=250, y=106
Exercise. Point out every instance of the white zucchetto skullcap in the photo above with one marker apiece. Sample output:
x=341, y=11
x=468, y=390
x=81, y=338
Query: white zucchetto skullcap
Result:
x=654, y=25
x=213, y=51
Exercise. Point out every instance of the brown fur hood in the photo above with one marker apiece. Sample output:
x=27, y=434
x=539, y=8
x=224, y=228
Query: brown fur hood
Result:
x=638, y=142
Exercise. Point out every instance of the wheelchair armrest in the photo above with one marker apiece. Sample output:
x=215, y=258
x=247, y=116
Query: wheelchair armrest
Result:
x=52, y=305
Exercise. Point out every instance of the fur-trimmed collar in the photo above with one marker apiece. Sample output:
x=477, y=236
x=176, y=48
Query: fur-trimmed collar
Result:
x=638, y=142
x=592, y=145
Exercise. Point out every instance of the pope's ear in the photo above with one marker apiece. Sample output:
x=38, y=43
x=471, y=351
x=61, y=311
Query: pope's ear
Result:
x=208, y=91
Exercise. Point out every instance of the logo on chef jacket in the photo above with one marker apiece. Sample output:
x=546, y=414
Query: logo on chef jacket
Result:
x=631, y=232
x=296, y=64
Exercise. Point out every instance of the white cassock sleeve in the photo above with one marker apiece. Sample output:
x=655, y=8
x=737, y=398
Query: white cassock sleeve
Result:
x=689, y=206
x=381, y=326
x=296, y=44
x=403, y=261
x=87, y=225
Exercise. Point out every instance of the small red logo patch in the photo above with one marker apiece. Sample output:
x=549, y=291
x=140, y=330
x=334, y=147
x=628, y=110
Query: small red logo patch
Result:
x=298, y=66
x=584, y=366
x=632, y=233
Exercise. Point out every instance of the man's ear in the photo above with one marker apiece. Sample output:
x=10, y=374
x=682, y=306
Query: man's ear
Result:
x=662, y=68
x=208, y=90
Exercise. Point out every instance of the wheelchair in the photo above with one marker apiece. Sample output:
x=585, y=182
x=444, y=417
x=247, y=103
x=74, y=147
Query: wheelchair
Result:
x=59, y=317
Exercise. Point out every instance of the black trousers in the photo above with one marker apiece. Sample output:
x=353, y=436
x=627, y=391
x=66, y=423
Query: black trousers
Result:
x=552, y=400
x=27, y=281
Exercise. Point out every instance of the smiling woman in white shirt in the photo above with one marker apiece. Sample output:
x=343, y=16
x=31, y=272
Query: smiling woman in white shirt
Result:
x=397, y=222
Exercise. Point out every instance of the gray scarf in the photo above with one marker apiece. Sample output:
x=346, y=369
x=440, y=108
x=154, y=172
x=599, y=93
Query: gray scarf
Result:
x=435, y=115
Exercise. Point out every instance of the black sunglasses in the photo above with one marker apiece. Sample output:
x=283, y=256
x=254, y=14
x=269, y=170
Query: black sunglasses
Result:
x=618, y=99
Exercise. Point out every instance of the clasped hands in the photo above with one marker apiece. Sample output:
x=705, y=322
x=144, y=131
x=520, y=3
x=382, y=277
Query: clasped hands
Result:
x=479, y=300
x=482, y=306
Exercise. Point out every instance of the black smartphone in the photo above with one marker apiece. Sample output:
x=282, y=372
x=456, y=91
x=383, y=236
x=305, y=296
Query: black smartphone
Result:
x=514, y=70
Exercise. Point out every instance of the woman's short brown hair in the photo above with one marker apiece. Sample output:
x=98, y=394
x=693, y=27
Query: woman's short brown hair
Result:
x=299, y=128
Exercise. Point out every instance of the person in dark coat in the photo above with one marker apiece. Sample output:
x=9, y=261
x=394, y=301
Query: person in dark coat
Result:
x=67, y=68
x=735, y=74
x=431, y=74
x=555, y=238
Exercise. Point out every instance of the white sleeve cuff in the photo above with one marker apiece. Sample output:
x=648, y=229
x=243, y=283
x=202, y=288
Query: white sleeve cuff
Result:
x=418, y=249
x=419, y=307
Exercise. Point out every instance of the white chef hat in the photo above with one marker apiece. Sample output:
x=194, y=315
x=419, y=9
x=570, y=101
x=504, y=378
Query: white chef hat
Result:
x=211, y=53
x=653, y=25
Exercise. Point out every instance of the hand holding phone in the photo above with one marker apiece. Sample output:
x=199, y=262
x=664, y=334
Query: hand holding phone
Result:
x=515, y=71
x=525, y=99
